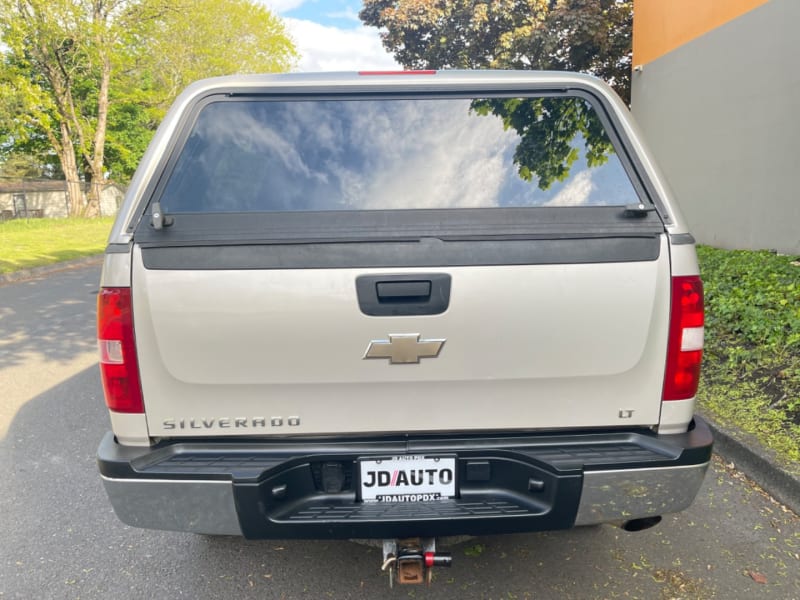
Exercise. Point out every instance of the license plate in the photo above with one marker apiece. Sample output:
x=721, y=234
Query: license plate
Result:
x=408, y=479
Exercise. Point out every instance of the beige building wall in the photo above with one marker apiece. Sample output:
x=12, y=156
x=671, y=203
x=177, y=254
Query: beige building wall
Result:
x=53, y=204
x=716, y=89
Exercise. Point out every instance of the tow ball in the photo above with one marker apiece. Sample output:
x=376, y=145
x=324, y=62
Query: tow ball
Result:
x=411, y=561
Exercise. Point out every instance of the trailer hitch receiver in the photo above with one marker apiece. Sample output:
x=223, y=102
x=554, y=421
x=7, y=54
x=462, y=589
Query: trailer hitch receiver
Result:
x=411, y=561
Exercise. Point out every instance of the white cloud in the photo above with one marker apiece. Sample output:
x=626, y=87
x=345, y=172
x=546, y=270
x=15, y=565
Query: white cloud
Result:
x=400, y=154
x=281, y=6
x=348, y=14
x=325, y=48
x=576, y=192
x=439, y=153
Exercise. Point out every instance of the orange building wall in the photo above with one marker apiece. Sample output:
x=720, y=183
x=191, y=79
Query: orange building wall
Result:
x=660, y=26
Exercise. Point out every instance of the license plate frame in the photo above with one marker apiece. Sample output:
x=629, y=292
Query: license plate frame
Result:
x=407, y=478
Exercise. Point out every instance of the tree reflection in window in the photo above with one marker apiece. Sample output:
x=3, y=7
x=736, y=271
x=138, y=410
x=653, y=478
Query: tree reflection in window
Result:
x=549, y=130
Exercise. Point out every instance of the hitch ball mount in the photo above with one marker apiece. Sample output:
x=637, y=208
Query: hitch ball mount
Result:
x=411, y=561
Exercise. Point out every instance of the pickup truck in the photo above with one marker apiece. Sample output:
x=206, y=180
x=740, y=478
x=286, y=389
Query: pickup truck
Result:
x=400, y=305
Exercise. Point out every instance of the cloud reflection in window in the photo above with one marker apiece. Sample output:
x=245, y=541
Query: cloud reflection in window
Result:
x=248, y=155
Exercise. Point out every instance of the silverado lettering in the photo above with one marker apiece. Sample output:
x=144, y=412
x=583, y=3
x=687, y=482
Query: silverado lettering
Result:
x=220, y=423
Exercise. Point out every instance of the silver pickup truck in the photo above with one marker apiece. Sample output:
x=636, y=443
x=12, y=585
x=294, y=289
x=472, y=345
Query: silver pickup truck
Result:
x=400, y=306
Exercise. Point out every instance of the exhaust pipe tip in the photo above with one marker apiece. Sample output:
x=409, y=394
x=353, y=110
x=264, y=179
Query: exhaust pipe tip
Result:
x=641, y=524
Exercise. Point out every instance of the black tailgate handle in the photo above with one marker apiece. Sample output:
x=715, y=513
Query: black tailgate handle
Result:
x=403, y=291
x=399, y=295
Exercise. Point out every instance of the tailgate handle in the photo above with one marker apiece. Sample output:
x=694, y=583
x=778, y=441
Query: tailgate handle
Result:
x=403, y=291
x=401, y=295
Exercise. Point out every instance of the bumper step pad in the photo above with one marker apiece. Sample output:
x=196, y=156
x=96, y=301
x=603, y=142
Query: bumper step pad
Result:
x=408, y=511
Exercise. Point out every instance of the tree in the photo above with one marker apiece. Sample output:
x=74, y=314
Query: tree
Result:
x=593, y=36
x=548, y=128
x=236, y=36
x=66, y=60
x=33, y=159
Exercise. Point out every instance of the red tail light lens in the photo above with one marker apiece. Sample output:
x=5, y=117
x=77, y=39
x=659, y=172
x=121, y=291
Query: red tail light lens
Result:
x=119, y=368
x=685, y=348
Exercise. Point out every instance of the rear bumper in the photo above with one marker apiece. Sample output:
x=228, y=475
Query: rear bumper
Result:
x=505, y=484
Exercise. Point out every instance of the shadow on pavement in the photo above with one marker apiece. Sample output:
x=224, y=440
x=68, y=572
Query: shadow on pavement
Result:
x=51, y=318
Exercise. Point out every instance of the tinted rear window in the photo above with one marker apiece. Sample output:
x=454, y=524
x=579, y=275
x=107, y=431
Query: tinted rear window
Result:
x=334, y=155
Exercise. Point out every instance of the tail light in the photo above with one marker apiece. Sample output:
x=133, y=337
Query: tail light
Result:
x=119, y=368
x=685, y=348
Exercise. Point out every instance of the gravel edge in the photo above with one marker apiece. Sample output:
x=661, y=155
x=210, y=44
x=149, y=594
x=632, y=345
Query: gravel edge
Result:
x=758, y=462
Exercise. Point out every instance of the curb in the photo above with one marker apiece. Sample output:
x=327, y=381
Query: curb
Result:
x=759, y=463
x=25, y=274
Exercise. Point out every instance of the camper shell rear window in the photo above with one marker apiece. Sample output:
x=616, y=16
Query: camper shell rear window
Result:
x=279, y=155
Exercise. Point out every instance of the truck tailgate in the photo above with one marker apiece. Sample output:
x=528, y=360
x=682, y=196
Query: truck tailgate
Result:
x=282, y=351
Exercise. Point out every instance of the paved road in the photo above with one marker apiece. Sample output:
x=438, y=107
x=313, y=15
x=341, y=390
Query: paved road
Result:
x=60, y=539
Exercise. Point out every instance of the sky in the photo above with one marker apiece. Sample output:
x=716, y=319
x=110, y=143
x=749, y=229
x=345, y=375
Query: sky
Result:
x=330, y=36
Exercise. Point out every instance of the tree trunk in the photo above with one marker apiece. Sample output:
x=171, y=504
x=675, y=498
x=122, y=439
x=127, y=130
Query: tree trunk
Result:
x=95, y=167
x=66, y=156
x=93, y=197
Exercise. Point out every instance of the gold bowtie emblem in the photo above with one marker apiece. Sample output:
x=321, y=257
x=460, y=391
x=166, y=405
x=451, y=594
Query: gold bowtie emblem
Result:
x=404, y=348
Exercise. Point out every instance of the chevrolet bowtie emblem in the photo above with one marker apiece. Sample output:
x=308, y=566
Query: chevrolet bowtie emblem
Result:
x=404, y=348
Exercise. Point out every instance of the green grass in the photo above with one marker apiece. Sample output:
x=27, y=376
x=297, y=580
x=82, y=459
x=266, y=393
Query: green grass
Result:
x=751, y=369
x=26, y=243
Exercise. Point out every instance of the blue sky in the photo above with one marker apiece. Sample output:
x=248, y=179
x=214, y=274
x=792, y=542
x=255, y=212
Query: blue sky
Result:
x=330, y=36
x=335, y=13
